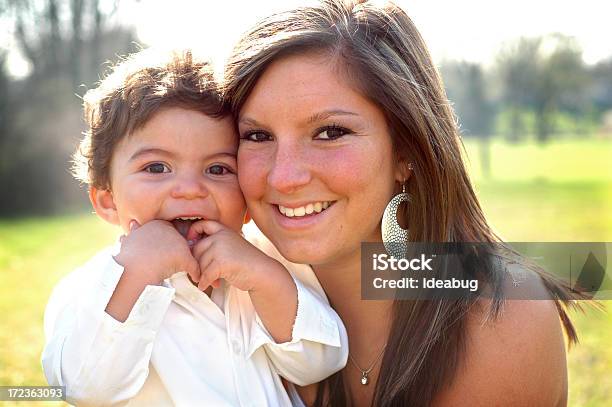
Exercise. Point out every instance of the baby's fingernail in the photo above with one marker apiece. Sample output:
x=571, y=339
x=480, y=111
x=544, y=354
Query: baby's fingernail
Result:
x=190, y=243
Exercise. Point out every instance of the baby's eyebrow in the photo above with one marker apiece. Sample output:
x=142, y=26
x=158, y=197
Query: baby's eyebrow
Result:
x=146, y=151
x=223, y=154
x=159, y=151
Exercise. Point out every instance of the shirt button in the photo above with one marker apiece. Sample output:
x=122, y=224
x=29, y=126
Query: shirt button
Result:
x=236, y=346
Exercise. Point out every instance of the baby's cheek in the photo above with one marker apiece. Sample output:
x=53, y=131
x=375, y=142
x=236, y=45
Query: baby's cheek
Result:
x=232, y=207
x=140, y=203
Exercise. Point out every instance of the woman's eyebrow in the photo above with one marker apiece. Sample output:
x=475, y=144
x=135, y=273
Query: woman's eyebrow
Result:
x=326, y=114
x=249, y=121
x=316, y=117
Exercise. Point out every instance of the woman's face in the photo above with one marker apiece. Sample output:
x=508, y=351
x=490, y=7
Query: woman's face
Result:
x=315, y=161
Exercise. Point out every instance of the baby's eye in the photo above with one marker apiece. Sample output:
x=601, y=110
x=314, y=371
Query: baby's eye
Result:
x=218, y=170
x=331, y=133
x=157, y=168
x=256, y=136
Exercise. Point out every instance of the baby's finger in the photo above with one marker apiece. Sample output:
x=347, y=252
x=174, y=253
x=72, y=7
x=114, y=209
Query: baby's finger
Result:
x=134, y=225
x=202, y=247
x=203, y=227
x=208, y=276
x=193, y=270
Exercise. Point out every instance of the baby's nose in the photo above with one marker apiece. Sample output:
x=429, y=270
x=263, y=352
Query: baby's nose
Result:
x=189, y=187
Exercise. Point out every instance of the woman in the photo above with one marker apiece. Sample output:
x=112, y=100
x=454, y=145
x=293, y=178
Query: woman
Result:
x=340, y=109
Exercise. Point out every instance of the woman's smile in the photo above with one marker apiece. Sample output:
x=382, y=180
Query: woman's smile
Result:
x=299, y=217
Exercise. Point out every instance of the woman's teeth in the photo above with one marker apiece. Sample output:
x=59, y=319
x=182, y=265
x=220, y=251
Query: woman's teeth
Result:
x=304, y=210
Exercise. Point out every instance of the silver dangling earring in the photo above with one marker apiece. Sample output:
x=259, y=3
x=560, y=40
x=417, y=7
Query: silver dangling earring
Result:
x=393, y=236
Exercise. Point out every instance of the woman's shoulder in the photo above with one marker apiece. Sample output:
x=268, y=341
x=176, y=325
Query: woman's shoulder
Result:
x=515, y=359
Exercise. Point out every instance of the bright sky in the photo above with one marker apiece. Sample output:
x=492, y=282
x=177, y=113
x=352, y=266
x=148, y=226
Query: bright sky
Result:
x=471, y=29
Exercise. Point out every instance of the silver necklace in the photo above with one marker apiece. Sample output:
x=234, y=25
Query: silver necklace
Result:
x=365, y=372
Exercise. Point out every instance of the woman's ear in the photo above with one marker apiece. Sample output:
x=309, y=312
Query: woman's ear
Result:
x=403, y=170
x=247, y=217
x=104, y=204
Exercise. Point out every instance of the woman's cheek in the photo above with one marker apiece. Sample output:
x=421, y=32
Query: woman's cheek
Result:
x=252, y=172
x=345, y=168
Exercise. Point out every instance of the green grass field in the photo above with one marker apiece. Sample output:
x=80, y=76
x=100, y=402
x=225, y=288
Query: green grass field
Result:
x=560, y=192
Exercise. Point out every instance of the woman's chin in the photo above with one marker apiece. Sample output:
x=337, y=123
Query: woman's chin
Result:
x=301, y=252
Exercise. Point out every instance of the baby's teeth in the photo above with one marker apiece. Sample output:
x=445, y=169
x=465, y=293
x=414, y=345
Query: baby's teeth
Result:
x=301, y=211
x=325, y=205
x=309, y=209
x=289, y=212
x=318, y=207
x=282, y=209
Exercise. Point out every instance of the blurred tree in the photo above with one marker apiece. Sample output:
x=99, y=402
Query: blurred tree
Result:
x=517, y=68
x=561, y=84
x=5, y=111
x=466, y=87
x=51, y=34
x=65, y=43
x=600, y=86
x=545, y=75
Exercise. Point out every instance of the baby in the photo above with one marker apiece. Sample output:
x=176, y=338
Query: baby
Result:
x=183, y=311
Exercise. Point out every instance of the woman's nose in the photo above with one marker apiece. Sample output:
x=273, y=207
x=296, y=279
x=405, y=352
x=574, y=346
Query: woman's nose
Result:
x=189, y=186
x=289, y=169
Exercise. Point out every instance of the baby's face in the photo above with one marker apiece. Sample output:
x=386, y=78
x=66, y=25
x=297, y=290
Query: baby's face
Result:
x=181, y=164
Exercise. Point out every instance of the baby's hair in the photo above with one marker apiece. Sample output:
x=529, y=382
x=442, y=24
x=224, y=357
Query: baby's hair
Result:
x=126, y=99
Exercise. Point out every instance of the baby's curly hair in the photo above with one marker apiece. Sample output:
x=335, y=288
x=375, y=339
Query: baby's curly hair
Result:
x=137, y=88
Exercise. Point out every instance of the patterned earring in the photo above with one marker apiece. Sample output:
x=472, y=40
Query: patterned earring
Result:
x=393, y=236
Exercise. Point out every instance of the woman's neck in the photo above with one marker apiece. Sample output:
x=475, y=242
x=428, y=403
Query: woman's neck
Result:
x=368, y=320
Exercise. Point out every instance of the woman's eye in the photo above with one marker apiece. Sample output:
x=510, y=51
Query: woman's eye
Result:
x=157, y=168
x=256, y=136
x=218, y=170
x=331, y=133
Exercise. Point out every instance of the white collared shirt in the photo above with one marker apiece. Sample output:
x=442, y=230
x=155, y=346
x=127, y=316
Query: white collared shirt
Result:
x=180, y=347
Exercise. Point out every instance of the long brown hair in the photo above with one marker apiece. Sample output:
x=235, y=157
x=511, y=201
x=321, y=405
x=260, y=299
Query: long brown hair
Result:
x=381, y=50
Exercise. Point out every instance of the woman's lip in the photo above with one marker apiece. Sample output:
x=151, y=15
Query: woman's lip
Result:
x=294, y=205
x=300, y=222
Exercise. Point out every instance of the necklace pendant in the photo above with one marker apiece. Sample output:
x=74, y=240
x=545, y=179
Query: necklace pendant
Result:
x=364, y=378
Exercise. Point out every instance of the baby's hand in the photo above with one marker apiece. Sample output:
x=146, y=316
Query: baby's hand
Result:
x=158, y=249
x=223, y=253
